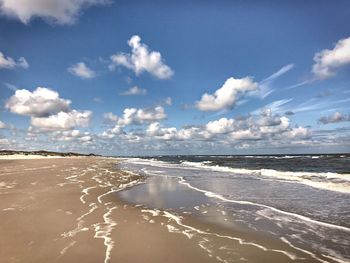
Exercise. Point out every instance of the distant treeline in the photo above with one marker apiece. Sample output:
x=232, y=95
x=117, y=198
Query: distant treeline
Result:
x=45, y=153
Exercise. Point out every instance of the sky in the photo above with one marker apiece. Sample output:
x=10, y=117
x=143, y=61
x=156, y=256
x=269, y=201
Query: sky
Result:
x=175, y=77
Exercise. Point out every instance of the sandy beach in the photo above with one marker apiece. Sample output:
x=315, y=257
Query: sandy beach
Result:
x=62, y=210
x=68, y=209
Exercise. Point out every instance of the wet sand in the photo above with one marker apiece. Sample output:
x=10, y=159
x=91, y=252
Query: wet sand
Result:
x=68, y=210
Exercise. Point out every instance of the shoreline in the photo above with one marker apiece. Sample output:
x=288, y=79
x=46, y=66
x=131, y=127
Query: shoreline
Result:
x=62, y=209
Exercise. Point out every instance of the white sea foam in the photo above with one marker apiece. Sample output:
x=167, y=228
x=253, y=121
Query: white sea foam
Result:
x=328, y=181
x=301, y=217
x=64, y=250
x=85, y=192
x=154, y=212
x=117, y=189
x=191, y=230
x=305, y=251
x=103, y=230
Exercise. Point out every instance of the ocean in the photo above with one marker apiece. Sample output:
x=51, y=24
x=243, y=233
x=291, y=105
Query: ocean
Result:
x=303, y=201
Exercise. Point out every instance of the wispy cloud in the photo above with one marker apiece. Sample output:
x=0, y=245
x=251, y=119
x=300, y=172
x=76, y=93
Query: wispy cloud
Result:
x=300, y=84
x=98, y=100
x=134, y=91
x=10, y=86
x=278, y=73
x=278, y=106
x=265, y=88
x=81, y=70
x=315, y=104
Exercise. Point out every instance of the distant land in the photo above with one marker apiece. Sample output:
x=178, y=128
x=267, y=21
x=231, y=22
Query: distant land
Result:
x=45, y=153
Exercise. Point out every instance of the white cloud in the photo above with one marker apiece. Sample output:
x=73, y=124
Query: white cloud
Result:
x=47, y=110
x=39, y=103
x=81, y=70
x=264, y=127
x=134, y=91
x=142, y=60
x=328, y=60
x=226, y=97
x=334, y=118
x=2, y=125
x=10, y=63
x=268, y=119
x=98, y=100
x=220, y=126
x=110, y=117
x=168, y=101
x=112, y=132
x=298, y=132
x=4, y=141
x=62, y=120
x=155, y=130
x=140, y=116
x=275, y=127
x=132, y=116
x=56, y=11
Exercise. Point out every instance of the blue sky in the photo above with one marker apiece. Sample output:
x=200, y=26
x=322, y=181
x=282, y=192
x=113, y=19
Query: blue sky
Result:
x=130, y=77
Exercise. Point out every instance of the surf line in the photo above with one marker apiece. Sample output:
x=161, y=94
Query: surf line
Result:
x=178, y=221
x=304, y=218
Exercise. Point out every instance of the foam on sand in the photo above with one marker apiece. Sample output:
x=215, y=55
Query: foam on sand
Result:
x=104, y=230
x=190, y=231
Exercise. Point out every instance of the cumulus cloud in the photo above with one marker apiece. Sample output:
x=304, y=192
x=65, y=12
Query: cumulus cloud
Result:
x=329, y=60
x=155, y=130
x=39, y=103
x=264, y=127
x=62, y=120
x=131, y=116
x=139, y=116
x=73, y=135
x=134, y=91
x=109, y=117
x=334, y=118
x=226, y=97
x=298, y=133
x=142, y=59
x=56, y=11
x=220, y=126
x=4, y=141
x=10, y=63
x=82, y=71
x=47, y=110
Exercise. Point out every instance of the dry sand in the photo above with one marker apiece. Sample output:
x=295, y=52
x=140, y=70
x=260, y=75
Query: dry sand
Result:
x=67, y=210
x=26, y=156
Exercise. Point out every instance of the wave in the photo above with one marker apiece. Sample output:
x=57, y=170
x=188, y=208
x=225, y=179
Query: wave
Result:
x=327, y=181
x=321, y=180
x=301, y=217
